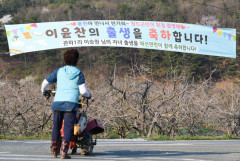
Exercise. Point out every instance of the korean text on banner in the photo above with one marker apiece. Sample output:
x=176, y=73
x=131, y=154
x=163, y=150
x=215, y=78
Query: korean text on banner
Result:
x=168, y=36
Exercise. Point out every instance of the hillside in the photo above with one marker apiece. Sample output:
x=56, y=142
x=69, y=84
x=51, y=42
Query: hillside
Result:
x=136, y=92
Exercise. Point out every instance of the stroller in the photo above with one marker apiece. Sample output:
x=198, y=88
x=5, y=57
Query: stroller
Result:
x=83, y=130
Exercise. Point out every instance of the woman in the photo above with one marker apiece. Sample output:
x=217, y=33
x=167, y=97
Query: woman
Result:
x=70, y=83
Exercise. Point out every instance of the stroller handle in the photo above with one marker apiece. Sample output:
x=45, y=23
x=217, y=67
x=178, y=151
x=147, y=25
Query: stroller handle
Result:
x=51, y=93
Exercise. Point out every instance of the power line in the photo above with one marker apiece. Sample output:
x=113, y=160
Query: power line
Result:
x=212, y=6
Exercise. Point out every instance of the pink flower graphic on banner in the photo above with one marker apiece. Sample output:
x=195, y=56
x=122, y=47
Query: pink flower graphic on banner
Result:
x=16, y=37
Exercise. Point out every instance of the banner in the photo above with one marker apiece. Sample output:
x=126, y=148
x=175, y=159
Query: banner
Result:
x=177, y=37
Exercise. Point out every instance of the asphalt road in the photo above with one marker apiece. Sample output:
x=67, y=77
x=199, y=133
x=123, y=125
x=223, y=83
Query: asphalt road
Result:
x=124, y=150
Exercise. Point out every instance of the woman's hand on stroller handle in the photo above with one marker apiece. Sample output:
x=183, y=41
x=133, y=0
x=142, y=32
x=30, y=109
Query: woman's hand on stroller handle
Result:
x=89, y=97
x=48, y=93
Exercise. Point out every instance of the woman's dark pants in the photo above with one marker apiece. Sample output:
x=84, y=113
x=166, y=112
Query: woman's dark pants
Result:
x=69, y=121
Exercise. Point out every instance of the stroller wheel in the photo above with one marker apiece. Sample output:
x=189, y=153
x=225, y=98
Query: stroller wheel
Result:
x=74, y=150
x=88, y=149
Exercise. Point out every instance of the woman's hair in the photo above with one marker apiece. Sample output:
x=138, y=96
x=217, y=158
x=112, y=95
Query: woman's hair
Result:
x=71, y=57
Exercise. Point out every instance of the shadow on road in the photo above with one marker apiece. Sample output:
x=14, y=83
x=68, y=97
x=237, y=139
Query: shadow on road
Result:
x=127, y=153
